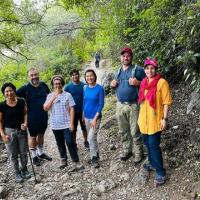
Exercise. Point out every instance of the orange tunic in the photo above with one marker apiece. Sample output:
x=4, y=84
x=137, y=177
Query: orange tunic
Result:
x=149, y=119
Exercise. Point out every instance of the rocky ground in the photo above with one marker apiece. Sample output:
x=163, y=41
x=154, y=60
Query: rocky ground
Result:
x=116, y=180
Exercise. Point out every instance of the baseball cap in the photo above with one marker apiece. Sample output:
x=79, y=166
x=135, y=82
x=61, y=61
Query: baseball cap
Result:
x=151, y=61
x=128, y=50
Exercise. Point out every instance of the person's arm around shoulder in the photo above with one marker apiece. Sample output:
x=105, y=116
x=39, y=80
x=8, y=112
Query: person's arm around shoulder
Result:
x=66, y=88
x=21, y=92
x=47, y=88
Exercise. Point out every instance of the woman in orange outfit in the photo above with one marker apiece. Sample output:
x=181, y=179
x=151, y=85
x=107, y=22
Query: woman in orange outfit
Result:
x=154, y=99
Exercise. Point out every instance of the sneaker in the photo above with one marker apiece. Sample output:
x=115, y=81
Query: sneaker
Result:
x=148, y=167
x=159, y=180
x=86, y=145
x=45, y=157
x=25, y=174
x=36, y=161
x=76, y=166
x=126, y=156
x=90, y=160
x=95, y=162
x=63, y=163
x=18, y=178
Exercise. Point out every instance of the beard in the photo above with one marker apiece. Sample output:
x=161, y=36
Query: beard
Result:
x=127, y=62
x=35, y=81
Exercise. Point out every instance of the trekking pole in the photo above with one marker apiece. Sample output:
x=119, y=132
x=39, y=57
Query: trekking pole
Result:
x=36, y=181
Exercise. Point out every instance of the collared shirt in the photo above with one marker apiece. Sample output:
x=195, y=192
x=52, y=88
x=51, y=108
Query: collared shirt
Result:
x=124, y=91
x=60, y=116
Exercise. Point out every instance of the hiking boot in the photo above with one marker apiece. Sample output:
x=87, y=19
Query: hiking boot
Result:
x=25, y=174
x=86, y=145
x=18, y=178
x=98, y=158
x=138, y=159
x=126, y=156
x=45, y=157
x=159, y=180
x=63, y=163
x=148, y=167
x=36, y=161
x=95, y=162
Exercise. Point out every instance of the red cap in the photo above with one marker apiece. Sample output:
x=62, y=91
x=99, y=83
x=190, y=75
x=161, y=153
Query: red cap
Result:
x=128, y=50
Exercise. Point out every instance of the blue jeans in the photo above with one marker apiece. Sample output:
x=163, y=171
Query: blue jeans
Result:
x=152, y=143
x=64, y=137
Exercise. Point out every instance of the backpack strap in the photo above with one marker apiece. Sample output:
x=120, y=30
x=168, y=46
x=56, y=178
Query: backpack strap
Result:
x=117, y=73
x=132, y=72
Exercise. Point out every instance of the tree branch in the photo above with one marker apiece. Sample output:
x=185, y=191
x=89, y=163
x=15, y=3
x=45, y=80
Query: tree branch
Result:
x=16, y=52
x=8, y=56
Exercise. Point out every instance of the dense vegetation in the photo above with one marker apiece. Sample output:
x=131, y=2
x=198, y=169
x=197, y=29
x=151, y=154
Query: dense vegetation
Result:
x=56, y=36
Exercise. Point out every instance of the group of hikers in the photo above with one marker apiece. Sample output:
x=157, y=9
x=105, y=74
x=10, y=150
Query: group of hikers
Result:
x=143, y=99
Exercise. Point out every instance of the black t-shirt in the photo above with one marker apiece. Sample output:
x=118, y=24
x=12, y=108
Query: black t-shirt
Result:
x=13, y=117
x=35, y=98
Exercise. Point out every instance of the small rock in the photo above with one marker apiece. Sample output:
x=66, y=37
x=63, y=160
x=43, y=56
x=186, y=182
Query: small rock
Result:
x=113, y=147
x=71, y=191
x=194, y=195
x=38, y=186
x=175, y=127
x=3, y=157
x=115, y=165
x=101, y=188
x=105, y=186
x=196, y=188
x=125, y=177
x=3, y=177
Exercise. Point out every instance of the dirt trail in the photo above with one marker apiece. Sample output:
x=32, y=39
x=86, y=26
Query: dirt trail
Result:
x=114, y=180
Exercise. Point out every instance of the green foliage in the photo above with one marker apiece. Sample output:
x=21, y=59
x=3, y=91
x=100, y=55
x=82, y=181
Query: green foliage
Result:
x=166, y=29
x=70, y=33
x=10, y=33
x=16, y=74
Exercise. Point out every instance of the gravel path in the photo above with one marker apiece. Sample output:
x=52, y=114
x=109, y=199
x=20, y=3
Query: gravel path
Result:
x=114, y=180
